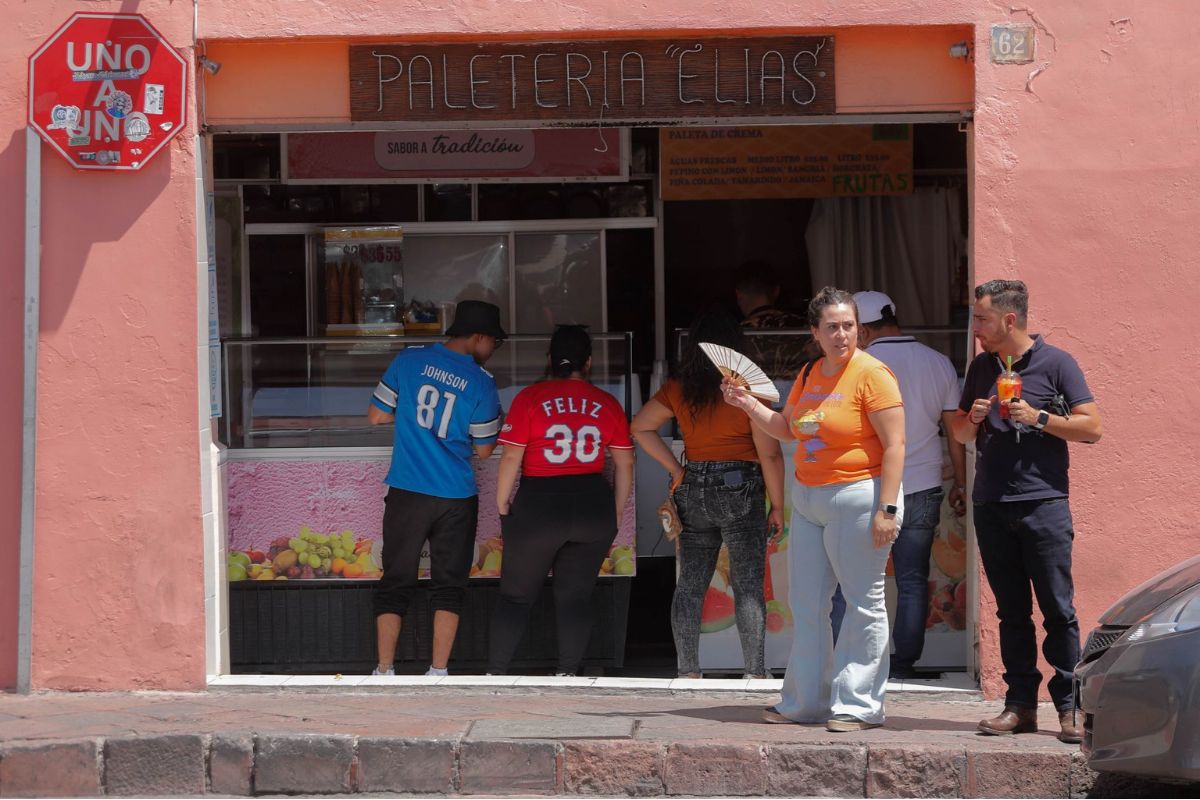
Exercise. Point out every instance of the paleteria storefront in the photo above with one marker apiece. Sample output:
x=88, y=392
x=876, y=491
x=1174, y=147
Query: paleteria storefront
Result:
x=155, y=496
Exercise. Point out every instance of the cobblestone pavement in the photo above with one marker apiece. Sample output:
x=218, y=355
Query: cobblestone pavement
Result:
x=549, y=740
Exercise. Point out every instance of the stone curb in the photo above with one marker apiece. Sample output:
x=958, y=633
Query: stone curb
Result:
x=265, y=763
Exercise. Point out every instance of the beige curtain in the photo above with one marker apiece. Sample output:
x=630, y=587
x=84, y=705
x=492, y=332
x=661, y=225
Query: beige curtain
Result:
x=907, y=246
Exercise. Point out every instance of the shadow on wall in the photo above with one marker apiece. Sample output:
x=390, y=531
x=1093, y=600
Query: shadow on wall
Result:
x=80, y=209
x=97, y=208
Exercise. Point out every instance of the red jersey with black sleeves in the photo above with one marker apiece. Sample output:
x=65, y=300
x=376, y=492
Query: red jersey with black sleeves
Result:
x=564, y=426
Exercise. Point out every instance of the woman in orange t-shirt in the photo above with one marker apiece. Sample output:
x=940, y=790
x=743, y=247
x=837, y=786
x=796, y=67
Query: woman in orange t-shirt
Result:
x=847, y=415
x=732, y=467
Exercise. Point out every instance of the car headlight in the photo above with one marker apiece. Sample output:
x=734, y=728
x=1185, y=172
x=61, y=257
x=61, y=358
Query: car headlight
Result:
x=1180, y=613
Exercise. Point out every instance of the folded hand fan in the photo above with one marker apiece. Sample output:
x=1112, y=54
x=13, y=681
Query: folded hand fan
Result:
x=742, y=371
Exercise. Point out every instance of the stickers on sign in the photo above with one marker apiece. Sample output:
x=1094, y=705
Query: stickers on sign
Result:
x=152, y=100
x=119, y=104
x=102, y=157
x=166, y=126
x=64, y=117
x=137, y=127
x=79, y=141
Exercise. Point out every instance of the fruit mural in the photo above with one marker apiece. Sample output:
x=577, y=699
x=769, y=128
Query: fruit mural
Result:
x=948, y=574
x=945, y=643
x=313, y=518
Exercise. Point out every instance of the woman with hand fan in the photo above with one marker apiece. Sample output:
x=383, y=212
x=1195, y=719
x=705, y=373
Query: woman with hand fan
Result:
x=847, y=414
x=732, y=467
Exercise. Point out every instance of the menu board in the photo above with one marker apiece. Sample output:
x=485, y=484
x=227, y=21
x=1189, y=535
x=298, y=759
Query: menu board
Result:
x=756, y=163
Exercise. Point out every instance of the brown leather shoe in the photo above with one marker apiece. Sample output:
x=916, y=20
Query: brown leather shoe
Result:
x=1071, y=722
x=1012, y=719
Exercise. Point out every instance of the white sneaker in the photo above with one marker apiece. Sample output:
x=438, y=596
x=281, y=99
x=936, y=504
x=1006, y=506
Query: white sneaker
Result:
x=390, y=672
x=434, y=672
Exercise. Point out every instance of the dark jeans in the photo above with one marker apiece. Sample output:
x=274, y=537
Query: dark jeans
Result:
x=910, y=562
x=567, y=524
x=721, y=501
x=1026, y=543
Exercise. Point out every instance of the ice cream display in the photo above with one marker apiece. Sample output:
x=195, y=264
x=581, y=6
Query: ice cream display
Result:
x=314, y=518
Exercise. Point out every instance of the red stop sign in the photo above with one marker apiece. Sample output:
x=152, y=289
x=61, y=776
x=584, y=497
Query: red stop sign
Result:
x=107, y=91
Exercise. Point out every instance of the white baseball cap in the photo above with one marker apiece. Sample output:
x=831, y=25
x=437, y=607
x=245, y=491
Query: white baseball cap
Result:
x=871, y=306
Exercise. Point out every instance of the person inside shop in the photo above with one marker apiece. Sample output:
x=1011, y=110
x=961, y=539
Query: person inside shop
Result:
x=929, y=388
x=445, y=408
x=1022, y=515
x=565, y=514
x=847, y=507
x=757, y=294
x=732, y=469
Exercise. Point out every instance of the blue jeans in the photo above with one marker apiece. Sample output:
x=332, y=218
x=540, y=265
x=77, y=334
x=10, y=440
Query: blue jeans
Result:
x=910, y=562
x=1022, y=544
x=830, y=543
x=721, y=502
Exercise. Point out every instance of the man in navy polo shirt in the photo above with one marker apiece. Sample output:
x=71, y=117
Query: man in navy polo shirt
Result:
x=1022, y=517
x=445, y=408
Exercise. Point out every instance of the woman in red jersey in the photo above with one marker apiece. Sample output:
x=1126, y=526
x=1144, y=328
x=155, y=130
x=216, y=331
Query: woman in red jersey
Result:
x=565, y=514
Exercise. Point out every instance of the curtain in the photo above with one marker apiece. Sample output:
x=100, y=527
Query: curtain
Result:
x=906, y=246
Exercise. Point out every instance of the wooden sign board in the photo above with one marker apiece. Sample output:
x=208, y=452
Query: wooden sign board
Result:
x=648, y=81
x=757, y=163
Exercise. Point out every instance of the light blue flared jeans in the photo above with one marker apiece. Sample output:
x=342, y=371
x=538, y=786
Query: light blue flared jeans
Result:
x=830, y=543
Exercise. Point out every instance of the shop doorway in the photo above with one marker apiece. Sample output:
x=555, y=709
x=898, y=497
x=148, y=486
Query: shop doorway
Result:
x=613, y=253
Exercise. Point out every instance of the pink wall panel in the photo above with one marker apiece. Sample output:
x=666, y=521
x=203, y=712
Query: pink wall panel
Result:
x=118, y=593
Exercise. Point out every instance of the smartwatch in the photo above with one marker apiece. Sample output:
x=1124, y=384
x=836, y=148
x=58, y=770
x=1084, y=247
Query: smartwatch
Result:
x=1042, y=418
x=889, y=508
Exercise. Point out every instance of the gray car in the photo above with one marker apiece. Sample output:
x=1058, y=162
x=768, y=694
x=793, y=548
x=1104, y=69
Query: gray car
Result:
x=1138, y=683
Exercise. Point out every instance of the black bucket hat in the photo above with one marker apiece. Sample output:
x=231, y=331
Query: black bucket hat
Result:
x=476, y=316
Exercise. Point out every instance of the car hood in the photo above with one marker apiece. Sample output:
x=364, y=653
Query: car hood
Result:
x=1135, y=605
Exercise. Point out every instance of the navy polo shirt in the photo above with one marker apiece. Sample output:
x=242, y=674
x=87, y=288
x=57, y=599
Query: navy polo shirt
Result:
x=1034, y=468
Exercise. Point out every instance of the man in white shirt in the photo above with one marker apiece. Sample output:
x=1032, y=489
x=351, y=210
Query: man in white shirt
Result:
x=930, y=390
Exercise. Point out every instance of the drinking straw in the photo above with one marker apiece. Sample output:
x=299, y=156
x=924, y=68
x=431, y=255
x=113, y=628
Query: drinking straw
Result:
x=1016, y=425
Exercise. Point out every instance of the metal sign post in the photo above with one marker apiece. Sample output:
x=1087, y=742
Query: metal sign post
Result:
x=33, y=257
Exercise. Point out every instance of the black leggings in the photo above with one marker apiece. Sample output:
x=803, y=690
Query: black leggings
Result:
x=566, y=523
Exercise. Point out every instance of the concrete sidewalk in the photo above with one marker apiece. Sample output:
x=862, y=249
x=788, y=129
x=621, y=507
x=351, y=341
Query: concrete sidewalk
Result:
x=476, y=740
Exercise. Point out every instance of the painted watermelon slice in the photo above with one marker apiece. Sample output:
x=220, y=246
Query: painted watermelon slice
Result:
x=718, y=612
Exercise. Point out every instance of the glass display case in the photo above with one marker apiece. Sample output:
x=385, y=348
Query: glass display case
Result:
x=314, y=392
x=304, y=501
x=362, y=281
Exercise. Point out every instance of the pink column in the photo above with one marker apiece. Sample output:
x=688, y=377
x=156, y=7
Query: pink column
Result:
x=118, y=588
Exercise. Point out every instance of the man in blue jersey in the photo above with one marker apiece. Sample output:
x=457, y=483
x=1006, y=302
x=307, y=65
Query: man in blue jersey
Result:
x=445, y=408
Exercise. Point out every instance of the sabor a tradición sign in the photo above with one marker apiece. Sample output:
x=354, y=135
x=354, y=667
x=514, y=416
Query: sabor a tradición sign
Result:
x=107, y=91
x=593, y=82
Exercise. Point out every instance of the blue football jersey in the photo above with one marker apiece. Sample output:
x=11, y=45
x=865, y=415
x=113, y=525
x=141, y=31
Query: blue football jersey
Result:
x=444, y=403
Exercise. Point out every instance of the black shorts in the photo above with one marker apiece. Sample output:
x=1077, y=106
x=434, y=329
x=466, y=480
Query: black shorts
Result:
x=409, y=520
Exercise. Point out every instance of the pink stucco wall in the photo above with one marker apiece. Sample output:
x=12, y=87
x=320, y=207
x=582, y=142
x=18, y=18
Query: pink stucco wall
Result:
x=118, y=593
x=1086, y=186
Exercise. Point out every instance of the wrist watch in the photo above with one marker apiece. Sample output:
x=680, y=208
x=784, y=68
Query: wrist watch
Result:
x=889, y=508
x=1042, y=418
